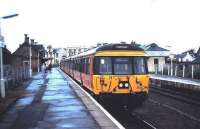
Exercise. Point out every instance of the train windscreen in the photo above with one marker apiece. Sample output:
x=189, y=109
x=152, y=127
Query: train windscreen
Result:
x=120, y=65
x=139, y=65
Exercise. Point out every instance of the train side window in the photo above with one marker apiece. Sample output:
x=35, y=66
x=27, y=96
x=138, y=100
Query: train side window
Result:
x=78, y=65
x=82, y=65
x=74, y=64
x=89, y=62
x=86, y=66
x=96, y=65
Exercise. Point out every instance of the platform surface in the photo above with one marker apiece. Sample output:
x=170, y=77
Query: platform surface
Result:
x=176, y=79
x=52, y=101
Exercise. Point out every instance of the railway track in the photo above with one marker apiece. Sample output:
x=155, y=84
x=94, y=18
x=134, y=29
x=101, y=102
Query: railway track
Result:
x=126, y=118
x=186, y=98
x=123, y=116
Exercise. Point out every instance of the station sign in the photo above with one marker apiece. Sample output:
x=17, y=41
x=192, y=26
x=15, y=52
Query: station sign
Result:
x=1, y=41
x=2, y=44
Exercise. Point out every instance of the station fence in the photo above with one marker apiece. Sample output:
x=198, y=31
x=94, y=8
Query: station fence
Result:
x=185, y=70
x=14, y=76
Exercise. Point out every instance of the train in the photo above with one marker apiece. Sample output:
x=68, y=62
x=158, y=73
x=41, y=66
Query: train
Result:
x=112, y=71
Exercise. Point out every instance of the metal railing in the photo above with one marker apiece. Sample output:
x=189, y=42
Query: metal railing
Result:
x=13, y=76
x=180, y=70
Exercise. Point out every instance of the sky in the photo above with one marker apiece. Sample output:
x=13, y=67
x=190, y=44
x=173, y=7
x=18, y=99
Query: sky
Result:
x=74, y=23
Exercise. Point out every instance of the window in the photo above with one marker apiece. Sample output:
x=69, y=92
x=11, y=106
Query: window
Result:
x=103, y=65
x=87, y=66
x=139, y=65
x=82, y=65
x=155, y=61
x=122, y=65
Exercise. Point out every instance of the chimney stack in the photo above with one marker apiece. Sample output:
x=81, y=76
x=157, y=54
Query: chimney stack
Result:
x=32, y=41
x=26, y=39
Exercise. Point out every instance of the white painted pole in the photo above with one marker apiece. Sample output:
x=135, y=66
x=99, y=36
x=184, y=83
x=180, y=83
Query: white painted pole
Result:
x=184, y=70
x=1, y=56
x=156, y=68
x=171, y=68
x=30, y=69
x=162, y=68
x=2, y=78
x=192, y=71
x=176, y=70
x=168, y=70
x=38, y=62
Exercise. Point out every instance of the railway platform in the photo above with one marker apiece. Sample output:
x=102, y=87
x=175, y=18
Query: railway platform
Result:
x=53, y=101
x=178, y=82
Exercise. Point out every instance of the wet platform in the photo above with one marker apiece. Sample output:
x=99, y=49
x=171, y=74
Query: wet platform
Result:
x=54, y=101
x=185, y=83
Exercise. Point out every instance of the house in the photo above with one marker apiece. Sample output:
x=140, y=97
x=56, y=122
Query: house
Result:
x=58, y=54
x=197, y=59
x=6, y=56
x=75, y=50
x=184, y=57
x=198, y=53
x=21, y=57
x=156, y=57
x=187, y=56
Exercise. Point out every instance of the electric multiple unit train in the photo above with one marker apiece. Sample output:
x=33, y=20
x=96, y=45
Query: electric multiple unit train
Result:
x=117, y=71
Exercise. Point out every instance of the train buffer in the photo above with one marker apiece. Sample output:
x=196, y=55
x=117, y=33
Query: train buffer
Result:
x=53, y=100
x=178, y=82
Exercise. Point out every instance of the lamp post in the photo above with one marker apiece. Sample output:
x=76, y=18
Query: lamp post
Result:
x=171, y=58
x=30, y=55
x=30, y=69
x=1, y=54
x=39, y=60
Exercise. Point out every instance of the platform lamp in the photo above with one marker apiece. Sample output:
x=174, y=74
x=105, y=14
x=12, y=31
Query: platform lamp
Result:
x=2, y=44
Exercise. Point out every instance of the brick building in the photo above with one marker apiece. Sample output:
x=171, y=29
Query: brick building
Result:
x=21, y=57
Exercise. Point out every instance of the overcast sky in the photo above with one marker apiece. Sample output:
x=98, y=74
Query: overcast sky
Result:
x=64, y=23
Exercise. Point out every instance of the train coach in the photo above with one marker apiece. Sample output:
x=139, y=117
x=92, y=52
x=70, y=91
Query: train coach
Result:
x=116, y=71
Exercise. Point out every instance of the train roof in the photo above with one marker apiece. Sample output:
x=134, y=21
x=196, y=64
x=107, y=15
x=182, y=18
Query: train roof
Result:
x=120, y=47
x=109, y=47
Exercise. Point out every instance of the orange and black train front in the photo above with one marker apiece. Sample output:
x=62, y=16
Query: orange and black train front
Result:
x=120, y=72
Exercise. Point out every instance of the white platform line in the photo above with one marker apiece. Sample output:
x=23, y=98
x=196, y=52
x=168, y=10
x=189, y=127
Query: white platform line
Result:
x=149, y=124
x=96, y=103
x=188, y=82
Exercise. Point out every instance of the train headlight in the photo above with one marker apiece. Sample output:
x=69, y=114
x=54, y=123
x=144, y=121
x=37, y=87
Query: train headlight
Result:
x=120, y=85
x=126, y=85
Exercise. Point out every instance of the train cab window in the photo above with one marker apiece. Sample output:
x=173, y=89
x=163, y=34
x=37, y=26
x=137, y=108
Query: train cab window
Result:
x=103, y=65
x=139, y=65
x=122, y=65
